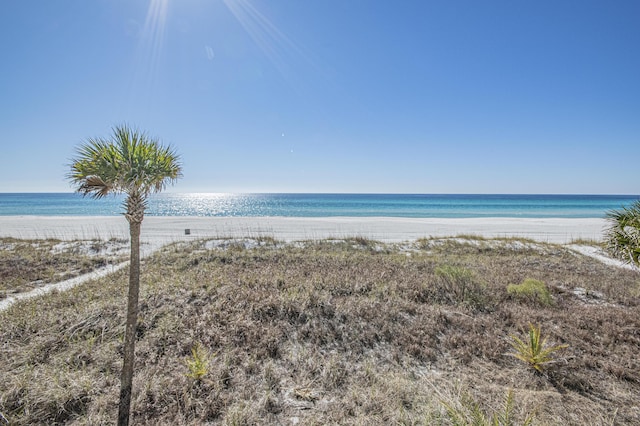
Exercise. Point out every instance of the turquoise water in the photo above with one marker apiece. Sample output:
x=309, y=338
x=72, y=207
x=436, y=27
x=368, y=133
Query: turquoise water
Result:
x=324, y=205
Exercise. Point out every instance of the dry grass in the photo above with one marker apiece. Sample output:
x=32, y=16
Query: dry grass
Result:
x=27, y=264
x=348, y=332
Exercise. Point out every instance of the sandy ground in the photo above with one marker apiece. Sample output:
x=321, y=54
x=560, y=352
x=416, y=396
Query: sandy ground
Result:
x=61, y=286
x=158, y=231
x=162, y=230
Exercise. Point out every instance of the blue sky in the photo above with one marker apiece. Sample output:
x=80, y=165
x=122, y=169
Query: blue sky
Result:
x=404, y=96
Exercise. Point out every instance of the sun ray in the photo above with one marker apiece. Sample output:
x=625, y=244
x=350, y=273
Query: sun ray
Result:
x=154, y=30
x=273, y=42
x=149, y=50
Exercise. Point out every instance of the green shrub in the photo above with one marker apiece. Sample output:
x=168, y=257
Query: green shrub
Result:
x=532, y=290
x=461, y=285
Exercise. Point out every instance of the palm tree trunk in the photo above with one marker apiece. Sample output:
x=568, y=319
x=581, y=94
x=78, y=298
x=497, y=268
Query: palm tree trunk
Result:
x=126, y=379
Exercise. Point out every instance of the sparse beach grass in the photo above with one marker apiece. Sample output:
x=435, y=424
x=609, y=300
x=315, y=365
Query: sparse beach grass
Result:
x=28, y=264
x=344, y=331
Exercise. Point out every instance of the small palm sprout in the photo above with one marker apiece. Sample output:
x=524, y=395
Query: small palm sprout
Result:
x=534, y=350
x=466, y=411
x=198, y=362
x=623, y=235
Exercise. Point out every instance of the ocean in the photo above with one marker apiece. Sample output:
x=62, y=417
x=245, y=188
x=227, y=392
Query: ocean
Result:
x=323, y=205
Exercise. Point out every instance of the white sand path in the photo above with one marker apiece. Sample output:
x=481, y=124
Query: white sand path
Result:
x=598, y=254
x=62, y=285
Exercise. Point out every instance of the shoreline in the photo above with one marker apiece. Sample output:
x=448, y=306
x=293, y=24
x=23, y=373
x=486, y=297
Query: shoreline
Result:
x=160, y=230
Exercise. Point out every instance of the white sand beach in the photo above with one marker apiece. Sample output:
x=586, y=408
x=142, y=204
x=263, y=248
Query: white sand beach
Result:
x=162, y=230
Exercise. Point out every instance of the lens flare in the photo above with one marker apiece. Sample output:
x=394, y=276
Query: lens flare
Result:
x=273, y=42
x=151, y=40
x=154, y=28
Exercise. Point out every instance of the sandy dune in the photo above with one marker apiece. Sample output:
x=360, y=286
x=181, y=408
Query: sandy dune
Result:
x=158, y=231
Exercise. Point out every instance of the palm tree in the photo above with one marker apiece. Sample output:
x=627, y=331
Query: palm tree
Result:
x=133, y=164
x=623, y=235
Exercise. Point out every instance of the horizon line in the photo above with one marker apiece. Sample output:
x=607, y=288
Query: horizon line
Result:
x=354, y=193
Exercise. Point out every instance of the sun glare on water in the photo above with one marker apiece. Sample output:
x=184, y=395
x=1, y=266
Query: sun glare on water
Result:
x=201, y=204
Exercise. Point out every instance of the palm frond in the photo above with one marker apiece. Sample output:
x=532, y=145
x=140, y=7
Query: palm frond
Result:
x=534, y=351
x=623, y=234
x=130, y=162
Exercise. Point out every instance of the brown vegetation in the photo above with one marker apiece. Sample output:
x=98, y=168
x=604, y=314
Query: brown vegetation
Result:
x=331, y=332
x=28, y=264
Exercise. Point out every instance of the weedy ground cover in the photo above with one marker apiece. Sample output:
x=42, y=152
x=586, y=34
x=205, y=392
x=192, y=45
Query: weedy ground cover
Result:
x=27, y=264
x=348, y=332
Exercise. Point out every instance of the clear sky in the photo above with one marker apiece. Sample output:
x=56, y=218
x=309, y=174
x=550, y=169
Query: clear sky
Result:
x=424, y=96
